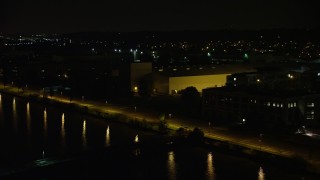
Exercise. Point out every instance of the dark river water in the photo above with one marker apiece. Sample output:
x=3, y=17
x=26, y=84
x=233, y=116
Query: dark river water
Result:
x=30, y=131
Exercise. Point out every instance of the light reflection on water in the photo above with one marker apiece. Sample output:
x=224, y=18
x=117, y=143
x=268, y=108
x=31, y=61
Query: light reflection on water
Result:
x=136, y=139
x=137, y=151
x=171, y=166
x=261, y=174
x=57, y=127
x=28, y=119
x=1, y=110
x=14, y=115
x=0, y=103
x=63, y=132
x=108, y=137
x=210, y=167
x=84, y=134
x=45, y=123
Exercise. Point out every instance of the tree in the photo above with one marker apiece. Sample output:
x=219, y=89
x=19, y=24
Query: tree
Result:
x=163, y=125
x=196, y=137
x=190, y=98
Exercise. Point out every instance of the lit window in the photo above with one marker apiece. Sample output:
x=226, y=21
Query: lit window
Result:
x=268, y=104
x=277, y=104
x=274, y=104
x=294, y=104
x=310, y=112
x=281, y=105
x=310, y=104
x=234, y=79
x=309, y=117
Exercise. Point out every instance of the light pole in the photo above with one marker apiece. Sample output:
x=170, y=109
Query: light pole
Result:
x=260, y=140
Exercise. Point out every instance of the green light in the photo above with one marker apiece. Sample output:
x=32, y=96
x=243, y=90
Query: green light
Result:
x=246, y=56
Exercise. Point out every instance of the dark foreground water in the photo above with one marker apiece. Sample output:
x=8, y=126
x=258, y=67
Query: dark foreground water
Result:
x=29, y=131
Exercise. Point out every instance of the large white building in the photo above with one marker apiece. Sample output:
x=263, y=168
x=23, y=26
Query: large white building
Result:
x=171, y=80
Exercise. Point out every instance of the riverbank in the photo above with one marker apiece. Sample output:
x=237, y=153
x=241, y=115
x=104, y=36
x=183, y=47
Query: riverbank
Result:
x=225, y=141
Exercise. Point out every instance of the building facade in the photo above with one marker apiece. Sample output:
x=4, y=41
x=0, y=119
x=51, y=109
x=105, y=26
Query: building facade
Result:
x=268, y=109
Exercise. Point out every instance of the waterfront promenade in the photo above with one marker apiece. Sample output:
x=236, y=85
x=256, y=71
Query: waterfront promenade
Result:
x=256, y=143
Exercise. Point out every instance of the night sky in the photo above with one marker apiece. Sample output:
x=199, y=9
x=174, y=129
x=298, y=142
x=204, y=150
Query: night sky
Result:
x=59, y=16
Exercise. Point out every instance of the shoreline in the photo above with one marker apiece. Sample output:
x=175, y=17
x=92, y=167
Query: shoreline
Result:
x=148, y=124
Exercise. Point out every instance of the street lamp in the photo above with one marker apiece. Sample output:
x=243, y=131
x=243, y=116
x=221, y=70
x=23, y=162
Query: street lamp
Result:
x=260, y=140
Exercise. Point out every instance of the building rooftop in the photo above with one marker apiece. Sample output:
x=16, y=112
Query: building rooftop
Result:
x=178, y=71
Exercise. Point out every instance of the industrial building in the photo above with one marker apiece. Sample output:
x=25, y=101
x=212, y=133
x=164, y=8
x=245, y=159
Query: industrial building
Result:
x=171, y=80
x=272, y=98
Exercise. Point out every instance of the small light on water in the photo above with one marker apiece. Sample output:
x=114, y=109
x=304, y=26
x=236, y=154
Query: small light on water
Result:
x=171, y=166
x=108, y=136
x=63, y=131
x=84, y=134
x=261, y=175
x=84, y=125
x=210, y=167
x=62, y=122
x=28, y=118
x=136, y=139
x=45, y=121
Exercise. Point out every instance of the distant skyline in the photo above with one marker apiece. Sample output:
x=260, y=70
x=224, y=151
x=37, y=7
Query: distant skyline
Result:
x=63, y=16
